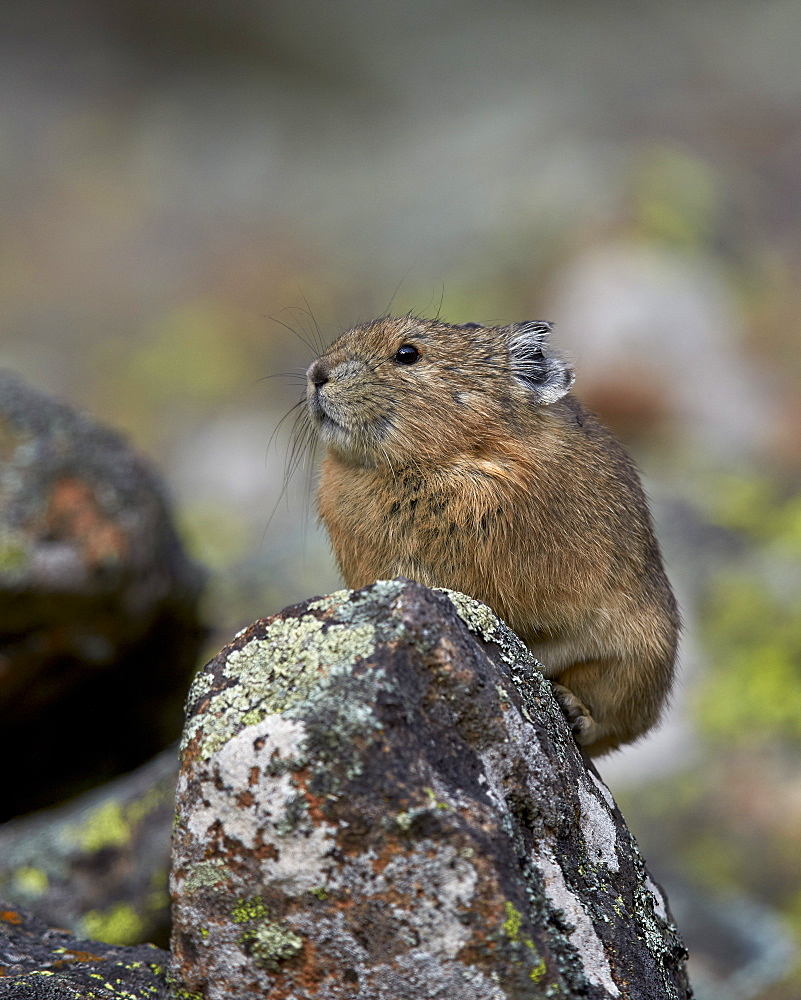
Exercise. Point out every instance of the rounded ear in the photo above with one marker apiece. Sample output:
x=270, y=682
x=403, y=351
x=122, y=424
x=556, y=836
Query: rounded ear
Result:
x=540, y=369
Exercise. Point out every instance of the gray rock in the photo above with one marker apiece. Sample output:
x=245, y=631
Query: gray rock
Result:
x=39, y=963
x=98, y=866
x=379, y=798
x=95, y=590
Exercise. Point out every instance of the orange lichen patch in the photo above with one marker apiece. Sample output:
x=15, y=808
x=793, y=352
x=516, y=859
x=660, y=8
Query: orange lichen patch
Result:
x=11, y=916
x=489, y=910
x=308, y=971
x=191, y=751
x=314, y=802
x=393, y=848
x=74, y=513
x=68, y=955
x=479, y=951
x=264, y=851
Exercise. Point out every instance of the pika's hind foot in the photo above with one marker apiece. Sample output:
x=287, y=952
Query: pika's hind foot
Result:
x=584, y=728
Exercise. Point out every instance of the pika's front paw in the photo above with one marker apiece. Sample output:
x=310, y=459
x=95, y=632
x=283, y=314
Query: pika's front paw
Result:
x=584, y=728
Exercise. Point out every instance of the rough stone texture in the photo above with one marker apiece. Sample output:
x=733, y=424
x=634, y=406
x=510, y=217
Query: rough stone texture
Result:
x=379, y=798
x=99, y=865
x=38, y=963
x=94, y=589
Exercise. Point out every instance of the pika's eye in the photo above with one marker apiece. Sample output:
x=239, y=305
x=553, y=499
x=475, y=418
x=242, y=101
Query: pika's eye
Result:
x=407, y=354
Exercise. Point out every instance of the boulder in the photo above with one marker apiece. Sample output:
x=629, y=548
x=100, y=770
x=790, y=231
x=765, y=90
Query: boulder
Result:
x=380, y=799
x=39, y=963
x=98, y=866
x=99, y=626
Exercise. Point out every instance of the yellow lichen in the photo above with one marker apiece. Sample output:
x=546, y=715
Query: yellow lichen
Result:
x=538, y=971
x=249, y=909
x=511, y=926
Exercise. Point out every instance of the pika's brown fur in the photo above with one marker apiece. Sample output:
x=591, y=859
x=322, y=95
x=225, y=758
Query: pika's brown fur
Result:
x=457, y=457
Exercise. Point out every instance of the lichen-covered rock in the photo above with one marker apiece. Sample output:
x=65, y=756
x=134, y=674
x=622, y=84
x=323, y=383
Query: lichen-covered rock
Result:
x=98, y=866
x=379, y=799
x=39, y=963
x=98, y=603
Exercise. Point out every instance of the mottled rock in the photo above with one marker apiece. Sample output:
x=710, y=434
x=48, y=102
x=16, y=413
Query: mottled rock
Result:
x=98, y=866
x=379, y=798
x=98, y=603
x=39, y=963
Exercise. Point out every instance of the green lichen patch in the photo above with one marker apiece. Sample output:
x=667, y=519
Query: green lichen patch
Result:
x=271, y=943
x=480, y=619
x=329, y=601
x=273, y=674
x=105, y=826
x=204, y=875
x=483, y=622
x=119, y=924
x=268, y=941
x=201, y=686
x=112, y=824
x=31, y=881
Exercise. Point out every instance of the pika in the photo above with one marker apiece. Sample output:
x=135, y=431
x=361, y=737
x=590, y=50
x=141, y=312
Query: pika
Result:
x=458, y=457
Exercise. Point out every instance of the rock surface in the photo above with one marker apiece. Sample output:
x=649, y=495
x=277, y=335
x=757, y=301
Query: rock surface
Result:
x=98, y=866
x=379, y=798
x=98, y=603
x=39, y=963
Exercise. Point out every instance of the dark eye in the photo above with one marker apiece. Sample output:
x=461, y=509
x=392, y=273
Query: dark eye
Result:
x=407, y=355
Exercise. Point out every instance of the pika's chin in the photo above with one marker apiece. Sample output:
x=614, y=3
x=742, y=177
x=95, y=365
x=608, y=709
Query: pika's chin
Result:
x=342, y=441
x=334, y=435
x=353, y=443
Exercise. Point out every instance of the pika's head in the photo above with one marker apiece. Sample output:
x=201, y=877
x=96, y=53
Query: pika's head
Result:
x=409, y=390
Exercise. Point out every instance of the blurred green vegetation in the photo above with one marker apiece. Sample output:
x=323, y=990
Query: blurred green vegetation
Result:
x=761, y=508
x=751, y=625
x=752, y=690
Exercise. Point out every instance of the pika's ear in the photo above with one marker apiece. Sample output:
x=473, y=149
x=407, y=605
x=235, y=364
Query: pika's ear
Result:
x=535, y=364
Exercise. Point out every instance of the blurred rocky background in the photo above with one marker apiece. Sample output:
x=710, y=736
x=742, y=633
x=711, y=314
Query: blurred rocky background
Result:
x=194, y=197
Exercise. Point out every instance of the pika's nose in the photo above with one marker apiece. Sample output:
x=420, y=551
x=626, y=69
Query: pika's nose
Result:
x=318, y=373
